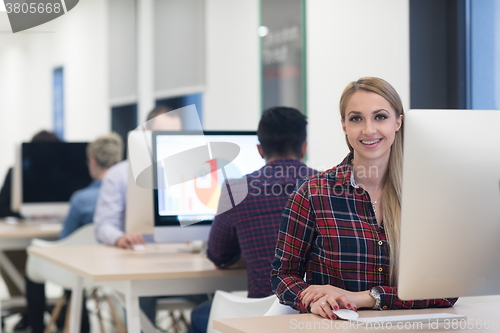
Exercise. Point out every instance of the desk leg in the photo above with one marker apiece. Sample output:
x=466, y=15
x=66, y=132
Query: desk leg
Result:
x=75, y=314
x=12, y=272
x=132, y=308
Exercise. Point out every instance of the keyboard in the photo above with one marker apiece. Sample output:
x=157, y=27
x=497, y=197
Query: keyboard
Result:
x=430, y=317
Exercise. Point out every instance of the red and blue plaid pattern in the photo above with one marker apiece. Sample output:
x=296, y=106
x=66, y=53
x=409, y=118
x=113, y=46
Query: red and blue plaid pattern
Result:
x=250, y=229
x=329, y=234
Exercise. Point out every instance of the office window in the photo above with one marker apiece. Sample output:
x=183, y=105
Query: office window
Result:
x=485, y=54
x=58, y=102
x=123, y=120
x=455, y=54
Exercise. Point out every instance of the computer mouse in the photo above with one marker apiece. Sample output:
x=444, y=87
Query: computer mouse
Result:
x=11, y=220
x=138, y=247
x=346, y=314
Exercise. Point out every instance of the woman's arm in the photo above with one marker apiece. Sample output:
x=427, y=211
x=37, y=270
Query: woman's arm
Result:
x=390, y=300
x=332, y=298
x=296, y=234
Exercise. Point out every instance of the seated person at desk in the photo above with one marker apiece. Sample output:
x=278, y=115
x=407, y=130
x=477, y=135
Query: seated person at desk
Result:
x=102, y=153
x=109, y=217
x=247, y=232
x=340, y=228
x=18, y=257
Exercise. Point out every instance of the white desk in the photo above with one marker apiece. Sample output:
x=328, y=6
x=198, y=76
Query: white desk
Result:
x=17, y=236
x=157, y=271
x=479, y=315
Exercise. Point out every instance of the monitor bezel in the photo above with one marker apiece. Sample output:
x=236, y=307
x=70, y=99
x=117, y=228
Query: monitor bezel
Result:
x=173, y=220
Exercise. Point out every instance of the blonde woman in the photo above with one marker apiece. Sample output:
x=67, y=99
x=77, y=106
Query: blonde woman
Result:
x=341, y=227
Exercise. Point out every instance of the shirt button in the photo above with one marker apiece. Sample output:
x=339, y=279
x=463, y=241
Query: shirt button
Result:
x=380, y=269
x=384, y=307
x=380, y=242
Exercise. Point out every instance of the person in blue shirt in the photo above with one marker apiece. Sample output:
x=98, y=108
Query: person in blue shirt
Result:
x=102, y=154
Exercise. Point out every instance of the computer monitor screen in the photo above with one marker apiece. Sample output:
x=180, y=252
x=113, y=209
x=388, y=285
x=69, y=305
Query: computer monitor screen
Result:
x=191, y=200
x=450, y=226
x=50, y=173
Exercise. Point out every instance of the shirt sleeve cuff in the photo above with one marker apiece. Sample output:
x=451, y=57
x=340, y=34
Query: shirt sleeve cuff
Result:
x=227, y=263
x=109, y=235
x=386, y=299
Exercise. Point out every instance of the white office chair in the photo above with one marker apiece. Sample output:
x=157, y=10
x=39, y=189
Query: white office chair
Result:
x=42, y=271
x=228, y=305
x=278, y=309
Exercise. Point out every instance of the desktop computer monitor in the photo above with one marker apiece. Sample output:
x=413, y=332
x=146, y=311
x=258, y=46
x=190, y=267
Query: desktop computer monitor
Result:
x=450, y=225
x=192, y=202
x=45, y=176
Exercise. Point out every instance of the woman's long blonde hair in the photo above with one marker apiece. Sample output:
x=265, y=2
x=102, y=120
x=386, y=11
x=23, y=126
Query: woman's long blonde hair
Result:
x=391, y=193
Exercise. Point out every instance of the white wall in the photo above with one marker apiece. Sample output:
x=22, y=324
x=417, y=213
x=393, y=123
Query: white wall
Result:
x=122, y=51
x=77, y=41
x=12, y=127
x=347, y=40
x=232, y=96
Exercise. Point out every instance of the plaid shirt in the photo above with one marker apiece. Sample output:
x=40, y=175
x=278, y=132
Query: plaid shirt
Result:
x=330, y=234
x=250, y=228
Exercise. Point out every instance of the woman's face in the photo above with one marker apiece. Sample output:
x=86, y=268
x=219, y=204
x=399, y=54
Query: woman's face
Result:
x=370, y=123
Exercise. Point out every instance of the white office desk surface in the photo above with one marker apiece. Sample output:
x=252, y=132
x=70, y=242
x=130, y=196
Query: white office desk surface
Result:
x=16, y=236
x=99, y=263
x=156, y=271
x=479, y=316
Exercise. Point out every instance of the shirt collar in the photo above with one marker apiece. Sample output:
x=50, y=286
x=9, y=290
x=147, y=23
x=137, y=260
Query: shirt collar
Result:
x=96, y=183
x=343, y=172
x=285, y=161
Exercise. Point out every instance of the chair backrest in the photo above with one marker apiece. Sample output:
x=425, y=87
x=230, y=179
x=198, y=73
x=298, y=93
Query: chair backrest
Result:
x=227, y=305
x=278, y=309
x=40, y=271
x=81, y=236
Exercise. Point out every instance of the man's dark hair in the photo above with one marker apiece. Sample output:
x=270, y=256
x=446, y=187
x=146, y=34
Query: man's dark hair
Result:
x=158, y=110
x=45, y=136
x=282, y=131
x=161, y=110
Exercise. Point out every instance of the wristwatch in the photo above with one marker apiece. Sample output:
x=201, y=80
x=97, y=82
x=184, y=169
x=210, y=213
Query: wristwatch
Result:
x=376, y=296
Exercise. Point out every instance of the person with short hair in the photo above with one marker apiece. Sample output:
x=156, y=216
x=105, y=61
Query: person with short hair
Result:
x=18, y=257
x=102, y=154
x=6, y=191
x=245, y=235
x=338, y=240
x=109, y=216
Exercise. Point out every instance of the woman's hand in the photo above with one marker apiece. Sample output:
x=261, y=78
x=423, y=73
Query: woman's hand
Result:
x=335, y=298
x=322, y=308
